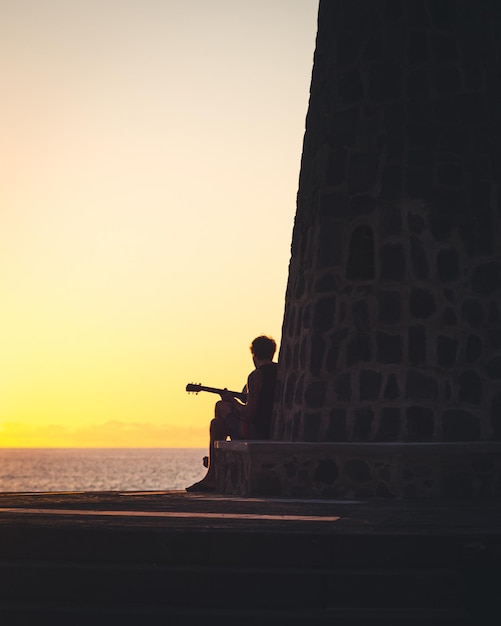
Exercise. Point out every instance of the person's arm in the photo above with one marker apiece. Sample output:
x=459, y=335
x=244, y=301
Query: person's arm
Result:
x=254, y=387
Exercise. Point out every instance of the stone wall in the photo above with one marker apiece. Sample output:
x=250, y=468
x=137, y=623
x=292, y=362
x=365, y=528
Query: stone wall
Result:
x=392, y=327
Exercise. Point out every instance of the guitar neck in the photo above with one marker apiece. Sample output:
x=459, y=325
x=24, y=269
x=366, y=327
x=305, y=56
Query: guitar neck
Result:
x=216, y=390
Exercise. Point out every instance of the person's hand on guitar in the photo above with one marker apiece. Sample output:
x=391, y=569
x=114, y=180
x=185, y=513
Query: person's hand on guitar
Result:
x=227, y=396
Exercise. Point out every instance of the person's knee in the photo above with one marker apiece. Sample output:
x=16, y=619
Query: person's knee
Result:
x=222, y=409
x=217, y=427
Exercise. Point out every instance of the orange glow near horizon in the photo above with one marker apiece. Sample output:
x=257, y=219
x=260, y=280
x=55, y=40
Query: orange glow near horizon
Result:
x=150, y=162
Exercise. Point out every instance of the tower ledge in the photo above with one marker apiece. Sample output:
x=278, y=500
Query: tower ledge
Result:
x=359, y=470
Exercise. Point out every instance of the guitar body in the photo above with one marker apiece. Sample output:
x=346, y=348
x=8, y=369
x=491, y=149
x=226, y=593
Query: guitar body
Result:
x=194, y=388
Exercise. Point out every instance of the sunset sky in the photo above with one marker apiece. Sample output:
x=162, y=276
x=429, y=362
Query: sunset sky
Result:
x=150, y=154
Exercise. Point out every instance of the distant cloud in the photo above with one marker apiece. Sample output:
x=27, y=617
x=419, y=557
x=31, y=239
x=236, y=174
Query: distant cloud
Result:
x=112, y=434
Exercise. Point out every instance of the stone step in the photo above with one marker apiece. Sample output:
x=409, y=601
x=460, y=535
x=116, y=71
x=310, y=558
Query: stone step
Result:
x=258, y=549
x=235, y=587
x=377, y=563
x=106, y=615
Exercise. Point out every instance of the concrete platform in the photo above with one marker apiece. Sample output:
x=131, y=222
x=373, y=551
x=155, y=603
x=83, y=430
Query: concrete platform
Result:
x=181, y=510
x=106, y=558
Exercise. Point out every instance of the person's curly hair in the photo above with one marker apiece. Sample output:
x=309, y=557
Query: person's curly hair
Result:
x=263, y=347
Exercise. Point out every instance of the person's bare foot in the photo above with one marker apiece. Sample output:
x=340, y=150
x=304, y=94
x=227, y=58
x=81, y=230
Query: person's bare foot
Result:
x=203, y=486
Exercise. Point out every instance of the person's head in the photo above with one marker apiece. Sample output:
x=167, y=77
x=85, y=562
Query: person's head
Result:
x=263, y=348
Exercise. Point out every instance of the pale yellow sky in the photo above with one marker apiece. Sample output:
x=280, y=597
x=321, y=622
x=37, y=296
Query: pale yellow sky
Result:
x=150, y=161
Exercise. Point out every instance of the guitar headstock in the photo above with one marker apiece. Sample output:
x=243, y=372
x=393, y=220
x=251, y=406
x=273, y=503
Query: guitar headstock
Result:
x=193, y=387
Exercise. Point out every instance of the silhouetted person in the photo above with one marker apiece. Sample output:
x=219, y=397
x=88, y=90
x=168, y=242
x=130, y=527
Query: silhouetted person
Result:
x=249, y=420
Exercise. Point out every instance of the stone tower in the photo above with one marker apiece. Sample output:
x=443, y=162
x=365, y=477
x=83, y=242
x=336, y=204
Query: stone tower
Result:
x=392, y=327
x=390, y=361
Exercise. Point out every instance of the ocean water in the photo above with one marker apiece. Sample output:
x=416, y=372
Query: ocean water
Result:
x=99, y=469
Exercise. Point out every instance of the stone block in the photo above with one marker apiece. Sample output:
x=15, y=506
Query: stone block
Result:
x=422, y=303
x=390, y=220
x=335, y=173
x=342, y=387
x=418, y=159
x=290, y=387
x=470, y=387
x=343, y=130
x=373, y=49
x=449, y=317
x=389, y=308
x=419, y=258
x=385, y=82
x=311, y=427
x=494, y=313
x=389, y=348
x=364, y=418
x=347, y=48
x=298, y=394
x=363, y=172
x=417, y=84
x=447, y=348
x=324, y=313
x=422, y=137
x=419, y=46
x=305, y=316
x=417, y=345
x=362, y=204
x=350, y=87
x=369, y=385
x=455, y=140
x=361, y=262
x=299, y=286
x=486, y=278
x=358, y=471
x=360, y=313
x=390, y=426
x=493, y=368
x=450, y=174
x=392, y=262
x=392, y=389
x=314, y=395
x=448, y=265
x=460, y=425
x=358, y=350
x=330, y=246
x=326, y=283
x=494, y=338
x=317, y=354
x=416, y=223
x=335, y=341
x=391, y=183
x=446, y=81
x=468, y=233
x=440, y=226
x=394, y=123
x=419, y=181
x=420, y=424
x=420, y=386
x=331, y=360
x=334, y=205
x=336, y=429
x=474, y=348
x=471, y=106
x=326, y=472
x=495, y=415
x=472, y=312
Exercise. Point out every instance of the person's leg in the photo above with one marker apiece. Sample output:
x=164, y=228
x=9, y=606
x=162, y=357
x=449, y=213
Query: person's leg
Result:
x=218, y=431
